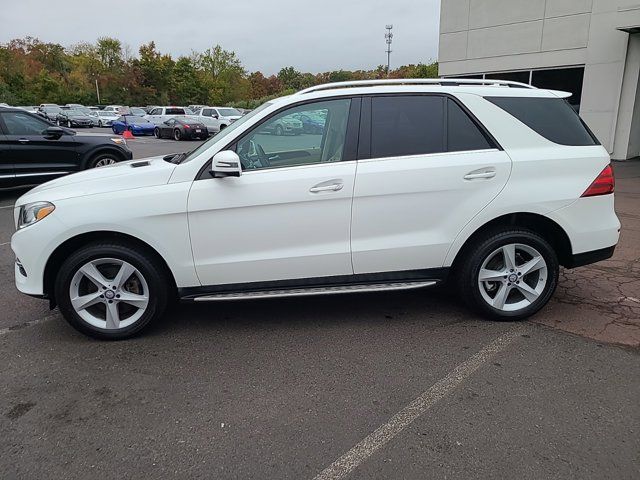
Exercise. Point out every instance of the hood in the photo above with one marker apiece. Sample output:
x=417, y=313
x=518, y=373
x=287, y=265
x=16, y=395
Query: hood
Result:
x=146, y=172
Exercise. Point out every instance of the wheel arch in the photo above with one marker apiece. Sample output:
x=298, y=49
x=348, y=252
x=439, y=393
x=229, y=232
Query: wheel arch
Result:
x=544, y=226
x=72, y=244
x=86, y=158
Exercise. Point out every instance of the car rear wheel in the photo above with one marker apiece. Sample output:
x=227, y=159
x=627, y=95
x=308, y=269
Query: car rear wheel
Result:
x=111, y=291
x=177, y=135
x=103, y=160
x=510, y=274
x=156, y=132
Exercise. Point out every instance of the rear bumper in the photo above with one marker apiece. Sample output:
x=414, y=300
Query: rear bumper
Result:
x=587, y=258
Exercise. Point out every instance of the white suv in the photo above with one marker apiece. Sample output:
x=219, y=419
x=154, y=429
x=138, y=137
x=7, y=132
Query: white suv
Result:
x=491, y=185
x=159, y=115
x=217, y=118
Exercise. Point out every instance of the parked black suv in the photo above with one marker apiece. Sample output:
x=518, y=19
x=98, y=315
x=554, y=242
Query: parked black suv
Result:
x=33, y=150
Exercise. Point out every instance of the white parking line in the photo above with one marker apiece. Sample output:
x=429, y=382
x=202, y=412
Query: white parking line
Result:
x=401, y=420
x=5, y=243
x=6, y=206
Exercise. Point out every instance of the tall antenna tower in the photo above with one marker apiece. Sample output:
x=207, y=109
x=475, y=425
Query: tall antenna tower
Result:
x=389, y=38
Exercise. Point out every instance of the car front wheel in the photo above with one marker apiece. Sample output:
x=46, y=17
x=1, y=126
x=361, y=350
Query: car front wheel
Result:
x=509, y=274
x=103, y=160
x=111, y=291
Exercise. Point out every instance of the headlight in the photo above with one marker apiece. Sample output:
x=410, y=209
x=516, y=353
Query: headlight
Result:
x=119, y=140
x=34, y=212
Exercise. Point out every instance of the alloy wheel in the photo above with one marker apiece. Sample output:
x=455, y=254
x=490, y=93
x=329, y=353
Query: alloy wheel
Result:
x=512, y=277
x=104, y=161
x=109, y=293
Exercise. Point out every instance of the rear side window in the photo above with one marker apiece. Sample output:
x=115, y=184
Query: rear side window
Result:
x=462, y=132
x=174, y=111
x=407, y=125
x=553, y=118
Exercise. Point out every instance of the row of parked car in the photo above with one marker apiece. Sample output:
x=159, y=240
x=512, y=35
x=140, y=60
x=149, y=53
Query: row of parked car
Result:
x=196, y=121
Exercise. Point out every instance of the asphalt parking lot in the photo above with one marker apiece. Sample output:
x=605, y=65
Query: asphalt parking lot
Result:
x=395, y=385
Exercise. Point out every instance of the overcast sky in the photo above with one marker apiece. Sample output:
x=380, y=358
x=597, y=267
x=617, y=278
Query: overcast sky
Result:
x=265, y=34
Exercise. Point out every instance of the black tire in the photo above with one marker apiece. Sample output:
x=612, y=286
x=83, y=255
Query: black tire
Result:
x=98, y=159
x=177, y=134
x=100, y=123
x=279, y=131
x=156, y=132
x=158, y=284
x=222, y=127
x=468, y=269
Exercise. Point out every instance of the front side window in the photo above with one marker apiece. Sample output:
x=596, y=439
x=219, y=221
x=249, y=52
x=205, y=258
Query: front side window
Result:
x=207, y=112
x=407, y=125
x=17, y=123
x=281, y=140
x=156, y=111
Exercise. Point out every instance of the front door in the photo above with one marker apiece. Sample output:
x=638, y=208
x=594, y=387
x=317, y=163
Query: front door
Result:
x=429, y=168
x=288, y=215
x=37, y=158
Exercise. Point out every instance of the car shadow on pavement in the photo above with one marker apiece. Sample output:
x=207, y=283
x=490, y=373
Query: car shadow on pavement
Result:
x=435, y=306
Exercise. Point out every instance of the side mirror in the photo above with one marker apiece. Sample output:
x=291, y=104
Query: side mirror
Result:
x=225, y=164
x=214, y=115
x=53, y=132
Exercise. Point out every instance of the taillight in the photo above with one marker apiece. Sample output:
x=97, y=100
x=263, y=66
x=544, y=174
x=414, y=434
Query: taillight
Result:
x=186, y=126
x=604, y=184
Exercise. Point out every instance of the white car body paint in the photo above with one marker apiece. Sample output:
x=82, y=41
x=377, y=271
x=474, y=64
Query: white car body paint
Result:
x=266, y=225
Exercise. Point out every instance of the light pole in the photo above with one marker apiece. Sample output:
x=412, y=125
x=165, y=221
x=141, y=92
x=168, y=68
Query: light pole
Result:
x=389, y=38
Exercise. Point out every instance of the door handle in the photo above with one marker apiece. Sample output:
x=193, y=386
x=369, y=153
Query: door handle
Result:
x=322, y=187
x=23, y=140
x=479, y=174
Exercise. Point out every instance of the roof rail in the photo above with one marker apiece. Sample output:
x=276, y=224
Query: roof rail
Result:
x=415, y=81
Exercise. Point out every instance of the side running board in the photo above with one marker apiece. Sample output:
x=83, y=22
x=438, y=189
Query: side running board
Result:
x=301, y=292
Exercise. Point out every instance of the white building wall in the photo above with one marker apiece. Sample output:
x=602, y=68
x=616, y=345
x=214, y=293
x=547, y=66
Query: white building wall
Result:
x=484, y=36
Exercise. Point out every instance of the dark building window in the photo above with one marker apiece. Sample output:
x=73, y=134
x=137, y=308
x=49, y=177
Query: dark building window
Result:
x=522, y=77
x=565, y=79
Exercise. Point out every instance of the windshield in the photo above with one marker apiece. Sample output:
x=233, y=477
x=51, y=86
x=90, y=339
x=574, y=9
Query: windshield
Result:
x=137, y=111
x=106, y=114
x=229, y=112
x=136, y=119
x=225, y=132
x=74, y=111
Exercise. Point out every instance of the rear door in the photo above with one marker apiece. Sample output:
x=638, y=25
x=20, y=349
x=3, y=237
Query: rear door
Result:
x=35, y=157
x=425, y=169
x=6, y=163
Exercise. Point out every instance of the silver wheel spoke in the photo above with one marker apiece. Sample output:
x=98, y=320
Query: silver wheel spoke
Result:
x=501, y=297
x=85, y=301
x=126, y=270
x=139, y=301
x=491, y=275
x=92, y=273
x=536, y=263
x=529, y=293
x=509, y=252
x=113, y=316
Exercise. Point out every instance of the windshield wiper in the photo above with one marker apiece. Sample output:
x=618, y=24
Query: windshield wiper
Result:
x=175, y=157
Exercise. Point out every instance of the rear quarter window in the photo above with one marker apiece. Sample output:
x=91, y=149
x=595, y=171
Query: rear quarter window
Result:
x=553, y=118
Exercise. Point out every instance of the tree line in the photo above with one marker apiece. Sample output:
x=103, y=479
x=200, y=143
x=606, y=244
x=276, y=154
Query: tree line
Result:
x=33, y=72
